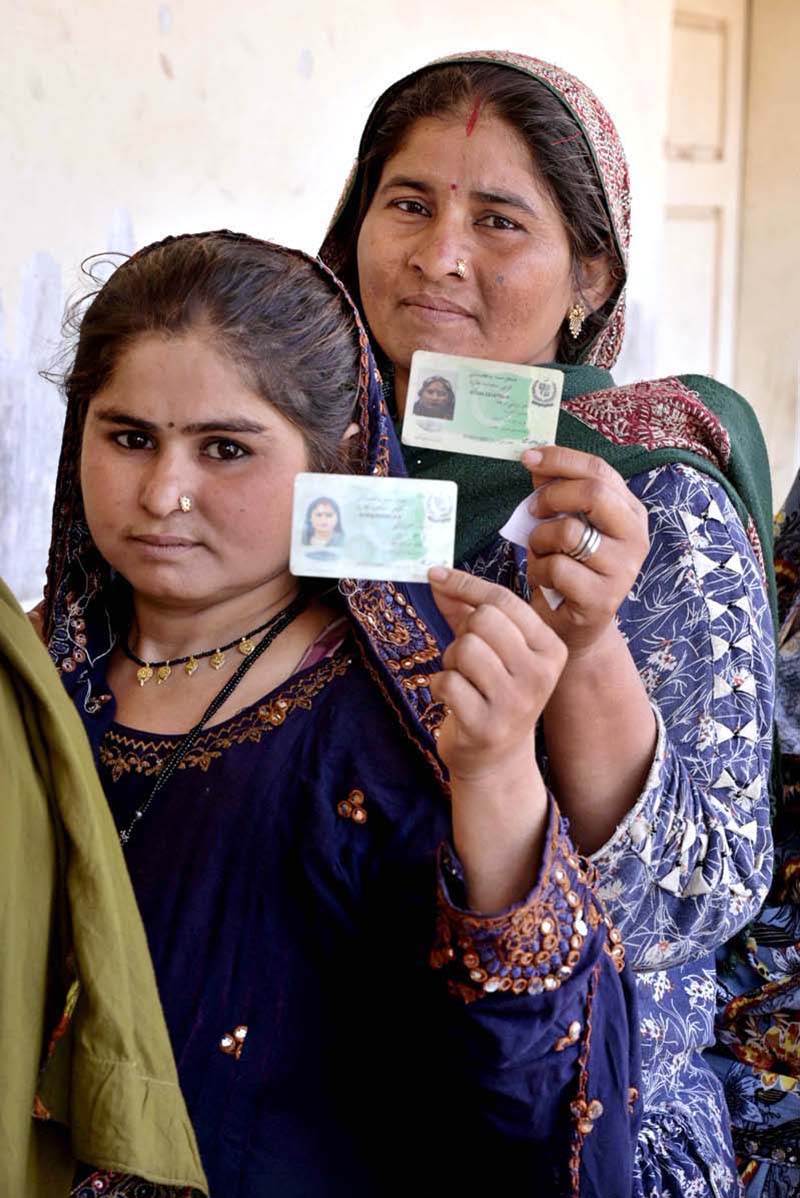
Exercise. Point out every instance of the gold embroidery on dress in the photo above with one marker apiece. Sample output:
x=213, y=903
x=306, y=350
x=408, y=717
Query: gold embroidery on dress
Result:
x=122, y=754
x=232, y=1043
x=353, y=807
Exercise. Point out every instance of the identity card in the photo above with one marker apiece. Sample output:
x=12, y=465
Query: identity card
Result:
x=468, y=405
x=360, y=526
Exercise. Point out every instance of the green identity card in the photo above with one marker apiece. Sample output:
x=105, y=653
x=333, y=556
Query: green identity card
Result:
x=360, y=526
x=468, y=405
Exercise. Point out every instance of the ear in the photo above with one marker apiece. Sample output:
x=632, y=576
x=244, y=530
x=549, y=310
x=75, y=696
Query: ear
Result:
x=594, y=280
x=350, y=431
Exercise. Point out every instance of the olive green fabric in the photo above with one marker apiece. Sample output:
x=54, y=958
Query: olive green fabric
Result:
x=108, y=1094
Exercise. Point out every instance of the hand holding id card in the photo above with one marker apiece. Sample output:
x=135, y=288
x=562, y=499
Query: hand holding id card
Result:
x=491, y=409
x=359, y=526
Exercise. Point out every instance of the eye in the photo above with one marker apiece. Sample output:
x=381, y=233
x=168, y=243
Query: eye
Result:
x=411, y=207
x=132, y=439
x=495, y=221
x=225, y=451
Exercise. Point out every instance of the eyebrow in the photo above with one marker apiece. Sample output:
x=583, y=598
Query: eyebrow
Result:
x=224, y=424
x=510, y=198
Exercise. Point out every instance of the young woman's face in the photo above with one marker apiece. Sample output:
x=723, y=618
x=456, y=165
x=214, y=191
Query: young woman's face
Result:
x=177, y=419
x=435, y=394
x=455, y=192
x=323, y=520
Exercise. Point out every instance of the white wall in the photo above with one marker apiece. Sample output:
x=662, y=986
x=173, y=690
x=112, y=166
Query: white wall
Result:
x=121, y=123
x=768, y=358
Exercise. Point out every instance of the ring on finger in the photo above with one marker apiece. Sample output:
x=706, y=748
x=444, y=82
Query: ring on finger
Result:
x=589, y=541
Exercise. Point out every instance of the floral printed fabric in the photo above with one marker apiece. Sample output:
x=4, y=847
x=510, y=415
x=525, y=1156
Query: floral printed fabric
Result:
x=691, y=862
x=758, y=1021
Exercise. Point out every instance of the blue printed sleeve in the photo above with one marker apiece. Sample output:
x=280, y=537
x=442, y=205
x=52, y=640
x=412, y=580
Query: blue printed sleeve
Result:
x=691, y=862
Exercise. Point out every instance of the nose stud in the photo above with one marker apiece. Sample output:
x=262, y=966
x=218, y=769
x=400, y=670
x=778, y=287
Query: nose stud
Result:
x=461, y=268
x=185, y=503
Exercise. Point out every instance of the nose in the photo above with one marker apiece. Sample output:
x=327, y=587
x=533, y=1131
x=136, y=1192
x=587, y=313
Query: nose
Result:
x=166, y=477
x=440, y=244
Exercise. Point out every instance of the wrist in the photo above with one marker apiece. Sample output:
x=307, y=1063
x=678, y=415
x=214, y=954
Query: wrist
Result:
x=598, y=654
x=499, y=823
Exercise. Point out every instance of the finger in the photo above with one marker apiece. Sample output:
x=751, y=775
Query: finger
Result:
x=466, y=703
x=476, y=661
x=610, y=505
x=556, y=461
x=564, y=534
x=453, y=589
x=502, y=636
x=586, y=594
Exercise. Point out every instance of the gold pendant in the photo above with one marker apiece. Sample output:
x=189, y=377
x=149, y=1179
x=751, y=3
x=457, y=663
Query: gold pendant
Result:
x=144, y=674
x=218, y=660
x=190, y=666
x=245, y=646
x=164, y=672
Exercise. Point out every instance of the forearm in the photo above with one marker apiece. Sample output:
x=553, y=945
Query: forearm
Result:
x=499, y=842
x=600, y=734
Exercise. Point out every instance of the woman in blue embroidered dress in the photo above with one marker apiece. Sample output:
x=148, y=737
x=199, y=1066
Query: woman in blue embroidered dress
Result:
x=488, y=215
x=345, y=1018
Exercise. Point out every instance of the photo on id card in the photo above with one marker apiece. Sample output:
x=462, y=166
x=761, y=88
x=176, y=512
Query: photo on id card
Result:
x=469, y=405
x=360, y=526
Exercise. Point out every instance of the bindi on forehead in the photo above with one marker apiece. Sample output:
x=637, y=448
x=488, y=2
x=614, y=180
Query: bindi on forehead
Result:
x=472, y=119
x=454, y=187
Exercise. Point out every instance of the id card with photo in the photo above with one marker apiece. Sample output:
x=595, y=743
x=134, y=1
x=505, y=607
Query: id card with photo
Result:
x=491, y=409
x=359, y=526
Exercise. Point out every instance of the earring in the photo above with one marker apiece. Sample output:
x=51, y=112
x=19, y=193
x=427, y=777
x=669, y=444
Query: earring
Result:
x=185, y=503
x=576, y=316
x=461, y=268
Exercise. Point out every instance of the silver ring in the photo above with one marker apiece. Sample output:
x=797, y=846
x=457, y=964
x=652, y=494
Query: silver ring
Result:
x=461, y=268
x=589, y=542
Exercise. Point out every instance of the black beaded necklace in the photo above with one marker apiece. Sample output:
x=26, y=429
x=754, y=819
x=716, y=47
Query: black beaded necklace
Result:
x=275, y=626
x=163, y=669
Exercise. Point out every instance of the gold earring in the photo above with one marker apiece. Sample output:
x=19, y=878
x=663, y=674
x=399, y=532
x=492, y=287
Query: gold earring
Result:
x=576, y=317
x=461, y=268
x=185, y=503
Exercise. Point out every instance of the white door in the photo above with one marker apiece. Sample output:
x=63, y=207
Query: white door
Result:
x=696, y=328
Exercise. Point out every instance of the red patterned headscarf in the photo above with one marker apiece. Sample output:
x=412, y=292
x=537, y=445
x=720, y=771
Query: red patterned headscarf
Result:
x=604, y=146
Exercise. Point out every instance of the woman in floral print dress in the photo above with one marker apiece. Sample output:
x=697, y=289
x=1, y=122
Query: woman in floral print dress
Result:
x=488, y=215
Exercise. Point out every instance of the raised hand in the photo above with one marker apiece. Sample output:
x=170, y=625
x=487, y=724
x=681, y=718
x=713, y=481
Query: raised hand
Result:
x=593, y=589
x=499, y=673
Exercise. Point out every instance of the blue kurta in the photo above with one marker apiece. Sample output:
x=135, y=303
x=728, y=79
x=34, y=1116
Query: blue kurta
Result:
x=319, y=993
x=691, y=862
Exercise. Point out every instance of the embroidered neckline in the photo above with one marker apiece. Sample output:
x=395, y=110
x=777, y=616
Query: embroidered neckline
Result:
x=129, y=750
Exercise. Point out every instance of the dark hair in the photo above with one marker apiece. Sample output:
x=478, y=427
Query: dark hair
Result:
x=560, y=156
x=308, y=530
x=287, y=328
x=438, y=378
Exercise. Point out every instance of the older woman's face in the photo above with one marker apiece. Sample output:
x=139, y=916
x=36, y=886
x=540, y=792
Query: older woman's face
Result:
x=452, y=192
x=435, y=394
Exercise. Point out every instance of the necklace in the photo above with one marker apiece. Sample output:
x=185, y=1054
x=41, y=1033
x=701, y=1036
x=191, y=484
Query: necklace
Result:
x=277, y=624
x=163, y=669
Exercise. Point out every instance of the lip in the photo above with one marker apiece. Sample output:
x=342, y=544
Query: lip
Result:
x=162, y=542
x=435, y=307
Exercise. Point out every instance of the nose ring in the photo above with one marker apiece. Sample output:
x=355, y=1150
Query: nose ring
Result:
x=461, y=268
x=185, y=503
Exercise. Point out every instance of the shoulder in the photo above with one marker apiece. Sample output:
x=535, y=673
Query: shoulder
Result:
x=686, y=505
x=717, y=396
